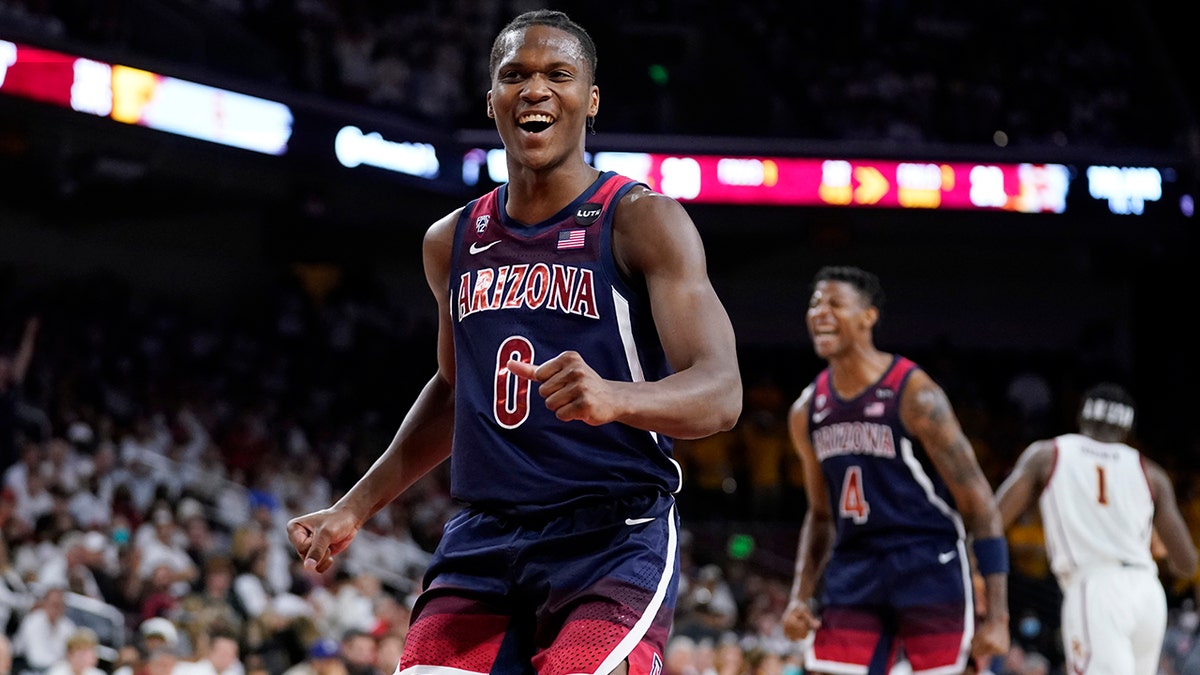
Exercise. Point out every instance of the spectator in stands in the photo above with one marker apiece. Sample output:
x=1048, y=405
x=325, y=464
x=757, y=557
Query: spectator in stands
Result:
x=158, y=632
x=706, y=606
x=250, y=585
x=214, y=605
x=128, y=660
x=13, y=369
x=679, y=658
x=79, y=564
x=41, y=638
x=143, y=452
x=82, y=657
x=26, y=482
x=16, y=597
x=165, y=548
x=223, y=654
x=387, y=654
x=160, y=660
x=356, y=598
x=359, y=651
x=730, y=658
x=6, y=655
x=91, y=504
x=324, y=658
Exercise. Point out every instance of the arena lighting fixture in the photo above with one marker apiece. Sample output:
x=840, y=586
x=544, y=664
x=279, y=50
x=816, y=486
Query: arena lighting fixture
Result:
x=142, y=98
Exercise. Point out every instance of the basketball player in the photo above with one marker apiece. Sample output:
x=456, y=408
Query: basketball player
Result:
x=579, y=333
x=894, y=491
x=1100, y=500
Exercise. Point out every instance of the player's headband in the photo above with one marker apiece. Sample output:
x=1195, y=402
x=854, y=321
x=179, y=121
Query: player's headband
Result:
x=1108, y=412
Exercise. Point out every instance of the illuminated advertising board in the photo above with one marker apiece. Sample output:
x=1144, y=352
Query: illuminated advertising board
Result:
x=873, y=183
x=374, y=143
x=147, y=99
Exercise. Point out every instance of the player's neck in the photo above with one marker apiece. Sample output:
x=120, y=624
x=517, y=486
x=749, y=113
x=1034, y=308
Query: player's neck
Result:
x=535, y=195
x=858, y=368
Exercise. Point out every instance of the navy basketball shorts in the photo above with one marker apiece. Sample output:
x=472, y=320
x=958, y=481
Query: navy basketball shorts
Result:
x=918, y=598
x=579, y=592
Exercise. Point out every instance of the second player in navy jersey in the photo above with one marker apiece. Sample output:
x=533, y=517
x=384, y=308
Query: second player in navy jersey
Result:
x=895, y=494
x=578, y=334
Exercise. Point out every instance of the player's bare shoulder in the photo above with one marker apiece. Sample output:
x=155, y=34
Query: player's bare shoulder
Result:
x=438, y=247
x=651, y=229
x=924, y=404
x=798, y=413
x=643, y=208
x=803, y=402
x=441, y=232
x=926, y=412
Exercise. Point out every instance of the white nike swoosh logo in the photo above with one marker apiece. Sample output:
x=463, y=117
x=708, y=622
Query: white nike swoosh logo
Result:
x=637, y=521
x=820, y=415
x=476, y=248
x=946, y=557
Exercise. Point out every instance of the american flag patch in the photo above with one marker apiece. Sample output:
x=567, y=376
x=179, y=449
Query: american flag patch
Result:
x=568, y=239
x=874, y=409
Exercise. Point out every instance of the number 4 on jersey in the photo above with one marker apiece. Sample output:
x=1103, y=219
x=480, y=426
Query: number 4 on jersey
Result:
x=854, y=502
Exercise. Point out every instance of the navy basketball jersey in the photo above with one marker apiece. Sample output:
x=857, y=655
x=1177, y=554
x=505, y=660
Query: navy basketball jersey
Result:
x=884, y=491
x=530, y=292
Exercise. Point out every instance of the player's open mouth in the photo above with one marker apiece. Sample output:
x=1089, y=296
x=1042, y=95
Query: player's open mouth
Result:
x=535, y=122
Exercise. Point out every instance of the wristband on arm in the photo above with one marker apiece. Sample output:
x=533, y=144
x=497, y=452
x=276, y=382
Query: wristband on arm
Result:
x=991, y=555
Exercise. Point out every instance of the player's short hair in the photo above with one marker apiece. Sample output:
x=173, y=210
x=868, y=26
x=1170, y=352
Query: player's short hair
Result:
x=1107, y=404
x=545, y=17
x=866, y=283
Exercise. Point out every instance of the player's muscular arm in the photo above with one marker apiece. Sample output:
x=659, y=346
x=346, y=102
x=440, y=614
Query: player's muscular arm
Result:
x=928, y=415
x=817, y=531
x=423, y=439
x=421, y=443
x=1169, y=523
x=926, y=411
x=654, y=239
x=1019, y=491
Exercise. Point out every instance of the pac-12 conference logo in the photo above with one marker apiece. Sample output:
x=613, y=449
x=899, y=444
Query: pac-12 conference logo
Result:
x=481, y=223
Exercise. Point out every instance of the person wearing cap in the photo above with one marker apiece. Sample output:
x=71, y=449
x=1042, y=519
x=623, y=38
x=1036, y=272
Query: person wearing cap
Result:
x=157, y=632
x=324, y=658
x=82, y=656
x=1102, y=500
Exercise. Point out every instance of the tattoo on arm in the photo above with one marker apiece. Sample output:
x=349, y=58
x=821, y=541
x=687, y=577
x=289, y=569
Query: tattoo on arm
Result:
x=941, y=434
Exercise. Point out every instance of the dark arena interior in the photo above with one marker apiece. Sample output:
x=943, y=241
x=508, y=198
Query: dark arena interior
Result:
x=211, y=216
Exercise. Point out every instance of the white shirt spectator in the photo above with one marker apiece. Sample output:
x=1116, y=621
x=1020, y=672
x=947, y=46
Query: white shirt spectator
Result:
x=42, y=636
x=15, y=596
x=166, y=548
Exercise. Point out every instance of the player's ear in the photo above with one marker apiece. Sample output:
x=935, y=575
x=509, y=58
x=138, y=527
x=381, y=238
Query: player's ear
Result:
x=871, y=316
x=491, y=112
x=594, y=105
